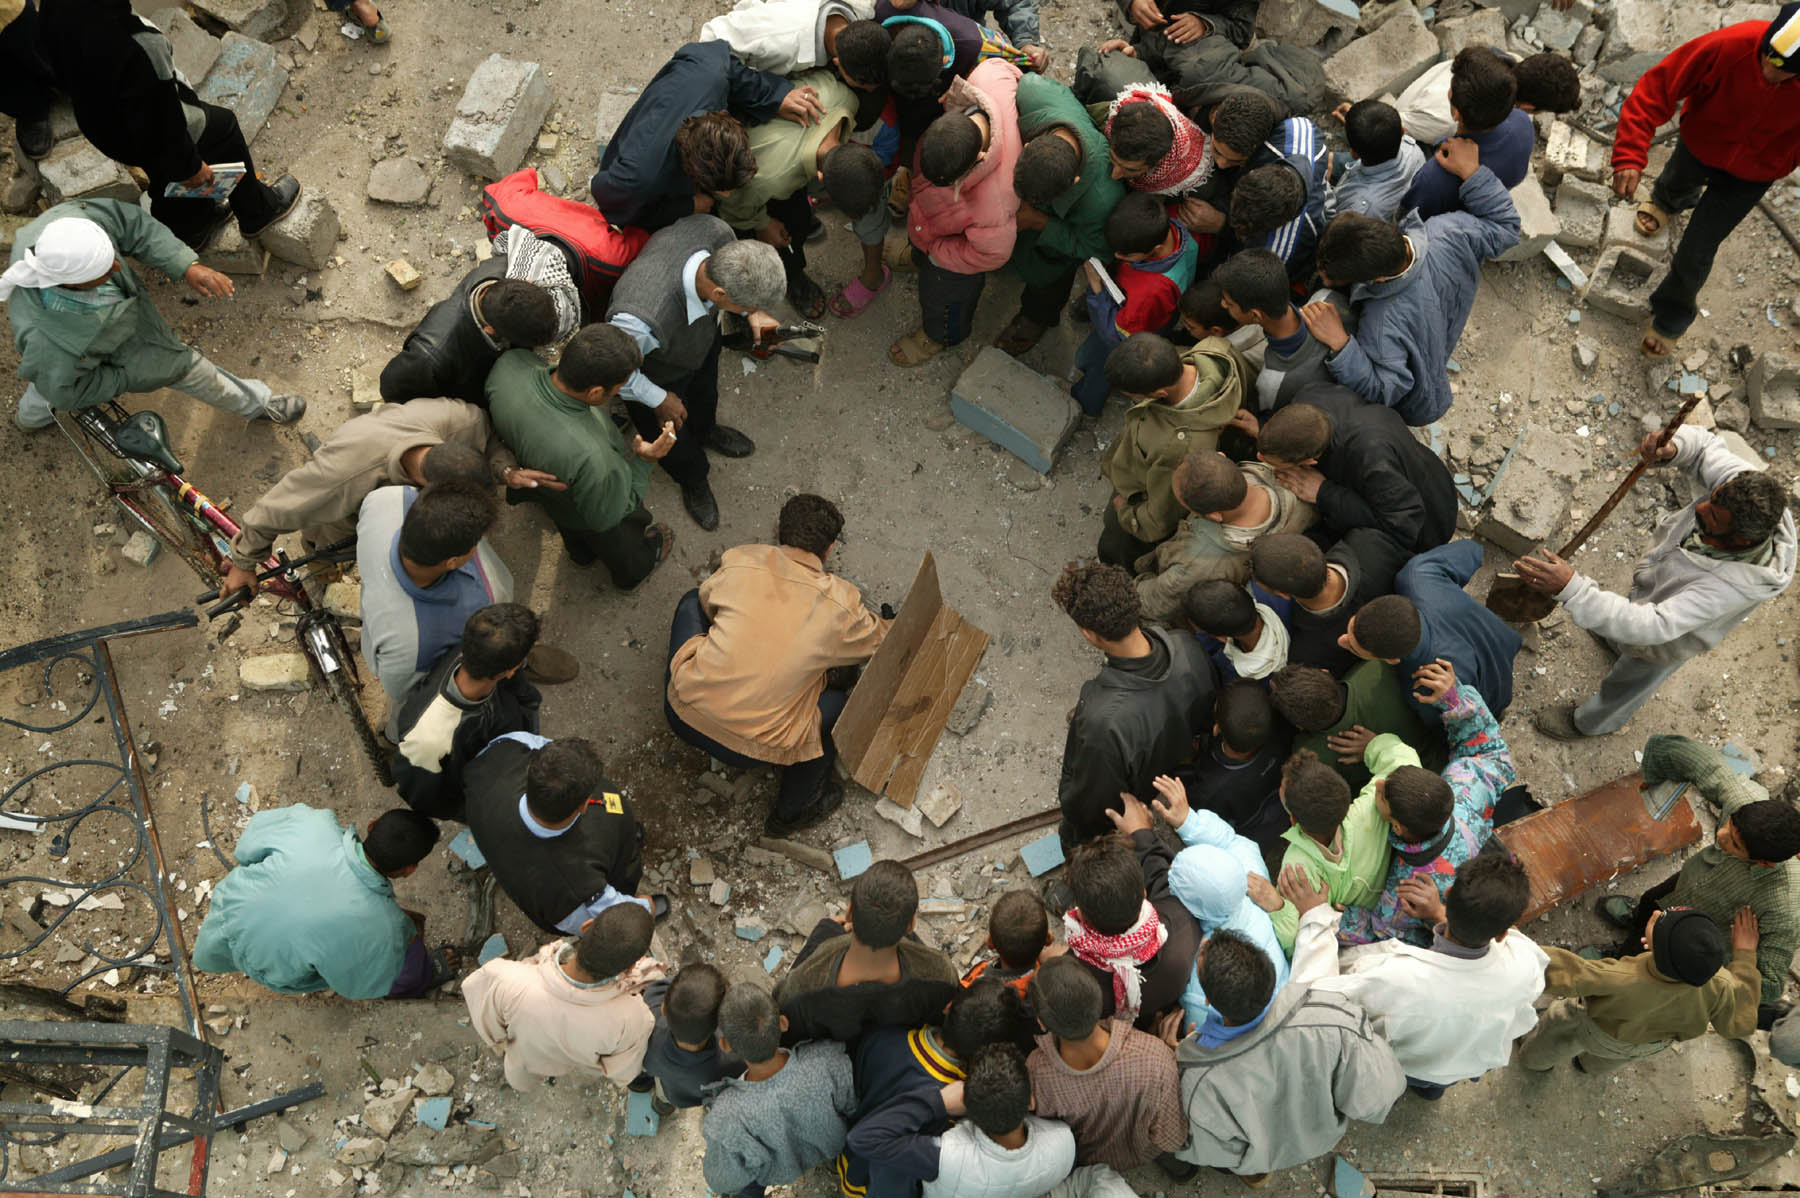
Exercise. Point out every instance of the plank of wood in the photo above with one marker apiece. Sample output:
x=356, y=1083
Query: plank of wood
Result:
x=928, y=692
x=868, y=703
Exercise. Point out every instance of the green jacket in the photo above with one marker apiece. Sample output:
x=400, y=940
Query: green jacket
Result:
x=1077, y=228
x=1376, y=698
x=580, y=445
x=787, y=155
x=80, y=359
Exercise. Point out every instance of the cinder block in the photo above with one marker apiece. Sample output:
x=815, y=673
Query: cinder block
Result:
x=1530, y=493
x=1384, y=61
x=1587, y=46
x=195, y=48
x=1581, y=207
x=1015, y=407
x=1622, y=281
x=1538, y=225
x=1774, y=392
x=612, y=110
x=1483, y=27
x=276, y=672
x=75, y=170
x=1557, y=30
x=1306, y=22
x=498, y=117
x=246, y=79
x=229, y=252
x=1568, y=151
x=1621, y=229
x=253, y=18
x=306, y=235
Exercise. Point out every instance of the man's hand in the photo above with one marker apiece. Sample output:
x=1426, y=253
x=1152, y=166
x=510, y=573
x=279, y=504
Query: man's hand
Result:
x=776, y=234
x=1200, y=216
x=1118, y=45
x=1186, y=27
x=671, y=411
x=1173, y=806
x=1032, y=218
x=1135, y=817
x=1625, y=183
x=1168, y=1028
x=1144, y=14
x=655, y=451
x=1298, y=888
x=761, y=325
x=523, y=478
x=1262, y=892
x=952, y=1096
x=1546, y=572
x=1350, y=744
x=1342, y=112
x=802, y=106
x=1040, y=57
x=236, y=580
x=1420, y=899
x=1744, y=930
x=201, y=178
x=1433, y=680
x=704, y=201
x=1303, y=481
x=1654, y=454
x=1459, y=155
x=208, y=281
x=1118, y=502
x=1326, y=325
x=1246, y=421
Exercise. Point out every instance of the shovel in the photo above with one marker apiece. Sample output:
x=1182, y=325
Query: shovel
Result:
x=1513, y=600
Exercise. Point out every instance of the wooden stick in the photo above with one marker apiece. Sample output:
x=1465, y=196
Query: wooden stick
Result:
x=979, y=840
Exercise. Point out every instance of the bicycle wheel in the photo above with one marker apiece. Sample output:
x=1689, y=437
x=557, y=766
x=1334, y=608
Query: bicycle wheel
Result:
x=326, y=647
x=144, y=503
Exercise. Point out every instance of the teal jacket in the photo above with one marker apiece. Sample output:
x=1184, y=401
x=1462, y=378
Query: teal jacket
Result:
x=305, y=911
x=80, y=359
x=1077, y=228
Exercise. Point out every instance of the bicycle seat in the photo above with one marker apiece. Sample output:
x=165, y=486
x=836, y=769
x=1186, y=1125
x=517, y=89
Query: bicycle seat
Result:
x=144, y=436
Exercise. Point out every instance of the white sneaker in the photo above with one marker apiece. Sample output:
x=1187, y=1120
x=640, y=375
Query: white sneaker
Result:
x=284, y=409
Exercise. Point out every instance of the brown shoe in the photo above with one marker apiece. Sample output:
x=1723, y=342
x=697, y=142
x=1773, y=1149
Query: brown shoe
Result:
x=1019, y=335
x=1558, y=723
x=1255, y=1181
x=546, y=665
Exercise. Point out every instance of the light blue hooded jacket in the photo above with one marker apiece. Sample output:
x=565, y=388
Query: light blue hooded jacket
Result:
x=1210, y=877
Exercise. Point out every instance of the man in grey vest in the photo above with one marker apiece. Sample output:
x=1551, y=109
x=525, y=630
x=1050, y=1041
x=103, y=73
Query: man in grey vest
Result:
x=668, y=300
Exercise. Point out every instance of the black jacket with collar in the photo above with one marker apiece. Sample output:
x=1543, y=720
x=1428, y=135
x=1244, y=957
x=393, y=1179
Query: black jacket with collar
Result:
x=447, y=354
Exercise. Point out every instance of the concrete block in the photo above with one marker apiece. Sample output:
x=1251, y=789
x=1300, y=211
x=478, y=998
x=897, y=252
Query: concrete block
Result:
x=306, y=235
x=195, y=48
x=435, y=1112
x=908, y=819
x=1557, y=30
x=1774, y=392
x=1538, y=225
x=1306, y=22
x=382, y=1115
x=1530, y=493
x=365, y=392
x=75, y=170
x=1483, y=27
x=1042, y=855
x=1621, y=229
x=498, y=117
x=1622, y=281
x=613, y=107
x=276, y=672
x=1568, y=151
x=1643, y=31
x=1587, y=45
x=361, y=1150
x=1015, y=407
x=399, y=181
x=1384, y=61
x=853, y=860
x=640, y=1114
x=253, y=18
x=343, y=599
x=246, y=79
x=434, y=1080
x=1581, y=208
x=140, y=549
x=230, y=253
x=464, y=847
x=405, y=275
x=943, y=801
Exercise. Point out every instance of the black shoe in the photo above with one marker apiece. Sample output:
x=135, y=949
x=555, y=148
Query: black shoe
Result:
x=1617, y=910
x=643, y=1083
x=729, y=442
x=829, y=799
x=659, y=907
x=816, y=230
x=1768, y=1014
x=1078, y=312
x=1059, y=897
x=700, y=504
x=287, y=194
x=35, y=137
x=1176, y=1168
x=662, y=1107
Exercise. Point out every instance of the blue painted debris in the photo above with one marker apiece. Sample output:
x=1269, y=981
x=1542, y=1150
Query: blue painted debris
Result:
x=1562, y=284
x=853, y=859
x=1597, y=398
x=1042, y=855
x=493, y=946
x=640, y=1115
x=773, y=959
x=464, y=846
x=1613, y=408
x=434, y=1113
x=751, y=931
x=1574, y=316
x=1347, y=1181
x=1691, y=384
x=1452, y=365
x=244, y=792
x=488, y=1124
x=1769, y=450
x=1740, y=759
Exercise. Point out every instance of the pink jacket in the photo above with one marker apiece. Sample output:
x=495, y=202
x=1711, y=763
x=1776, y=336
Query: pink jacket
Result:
x=970, y=226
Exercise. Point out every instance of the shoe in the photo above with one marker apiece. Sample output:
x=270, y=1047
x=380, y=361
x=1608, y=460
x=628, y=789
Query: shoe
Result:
x=829, y=799
x=643, y=1083
x=1175, y=1168
x=284, y=409
x=1255, y=1181
x=29, y=426
x=661, y=1106
x=816, y=230
x=287, y=194
x=729, y=442
x=34, y=137
x=1019, y=335
x=1059, y=897
x=1558, y=723
x=700, y=504
x=659, y=907
x=546, y=665
x=1617, y=910
x=377, y=33
x=1770, y=1013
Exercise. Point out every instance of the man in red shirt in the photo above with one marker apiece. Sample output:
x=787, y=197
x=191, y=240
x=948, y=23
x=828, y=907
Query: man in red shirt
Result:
x=1740, y=131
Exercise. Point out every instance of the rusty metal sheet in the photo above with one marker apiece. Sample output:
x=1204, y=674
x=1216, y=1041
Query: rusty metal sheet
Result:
x=1592, y=838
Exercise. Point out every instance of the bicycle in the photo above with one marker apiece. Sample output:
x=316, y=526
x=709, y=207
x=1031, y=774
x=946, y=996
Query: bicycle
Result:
x=130, y=454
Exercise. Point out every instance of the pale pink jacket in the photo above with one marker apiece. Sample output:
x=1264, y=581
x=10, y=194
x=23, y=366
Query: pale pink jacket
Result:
x=970, y=226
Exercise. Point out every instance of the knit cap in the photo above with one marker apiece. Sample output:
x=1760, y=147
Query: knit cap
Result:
x=1687, y=946
x=1781, y=44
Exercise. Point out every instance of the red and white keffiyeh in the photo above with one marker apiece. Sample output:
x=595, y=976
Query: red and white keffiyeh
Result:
x=1189, y=161
x=1120, y=954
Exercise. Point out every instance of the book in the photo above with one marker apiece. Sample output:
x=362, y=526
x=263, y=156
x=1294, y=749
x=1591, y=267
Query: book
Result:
x=1106, y=280
x=225, y=178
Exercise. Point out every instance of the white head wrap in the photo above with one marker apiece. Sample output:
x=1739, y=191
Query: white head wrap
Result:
x=71, y=249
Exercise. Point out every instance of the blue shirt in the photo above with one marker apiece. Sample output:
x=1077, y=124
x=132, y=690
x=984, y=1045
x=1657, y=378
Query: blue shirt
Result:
x=1505, y=150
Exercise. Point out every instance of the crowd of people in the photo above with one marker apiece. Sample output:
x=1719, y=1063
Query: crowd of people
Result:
x=1284, y=905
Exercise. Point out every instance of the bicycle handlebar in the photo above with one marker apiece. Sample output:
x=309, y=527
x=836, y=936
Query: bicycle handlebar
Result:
x=334, y=552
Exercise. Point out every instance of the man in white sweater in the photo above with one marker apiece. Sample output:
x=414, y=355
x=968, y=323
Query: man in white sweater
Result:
x=1709, y=566
x=1452, y=1011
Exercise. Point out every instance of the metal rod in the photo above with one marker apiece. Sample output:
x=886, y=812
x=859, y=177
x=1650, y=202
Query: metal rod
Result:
x=1780, y=223
x=969, y=844
x=38, y=650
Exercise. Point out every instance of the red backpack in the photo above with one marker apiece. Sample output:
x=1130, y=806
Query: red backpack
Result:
x=598, y=252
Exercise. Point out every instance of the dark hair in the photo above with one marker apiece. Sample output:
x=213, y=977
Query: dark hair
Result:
x=397, y=839
x=949, y=148
x=1756, y=503
x=1143, y=362
x=1387, y=626
x=1238, y=977
x=497, y=638
x=1548, y=82
x=520, y=312
x=1288, y=562
x=915, y=63
x=452, y=461
x=1067, y=998
x=883, y=900
x=997, y=1089
x=1202, y=304
x=862, y=52
x=986, y=1012
x=1141, y=132
x=1266, y=199
x=1295, y=434
x=750, y=1020
x=1307, y=697
x=1420, y=800
x=1355, y=249
x=1482, y=88
x=1018, y=926
x=1314, y=794
x=600, y=355
x=1108, y=883
x=1770, y=830
x=1099, y=598
x=1373, y=130
x=1489, y=894
x=561, y=777
x=809, y=522
x=615, y=940
x=447, y=520
x=691, y=1004
x=715, y=152
x=1219, y=606
x=1047, y=167
x=1244, y=715
x=1244, y=120
x=853, y=178
x=1137, y=225
x=1206, y=481
x=1257, y=281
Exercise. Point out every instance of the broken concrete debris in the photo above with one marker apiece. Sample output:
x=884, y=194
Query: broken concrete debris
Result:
x=497, y=120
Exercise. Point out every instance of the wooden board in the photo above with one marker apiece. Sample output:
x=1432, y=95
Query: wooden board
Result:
x=1593, y=838
x=898, y=710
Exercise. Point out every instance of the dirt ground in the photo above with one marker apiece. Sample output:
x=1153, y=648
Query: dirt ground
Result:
x=881, y=442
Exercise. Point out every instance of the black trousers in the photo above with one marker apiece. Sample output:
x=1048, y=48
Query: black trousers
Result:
x=25, y=78
x=947, y=300
x=1044, y=303
x=795, y=212
x=1648, y=904
x=1118, y=547
x=1720, y=201
x=699, y=391
x=253, y=203
x=623, y=549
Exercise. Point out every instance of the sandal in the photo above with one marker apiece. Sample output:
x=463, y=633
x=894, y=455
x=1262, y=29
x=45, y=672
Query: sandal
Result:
x=1649, y=211
x=1019, y=335
x=1656, y=345
x=856, y=295
x=445, y=961
x=913, y=349
x=807, y=297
